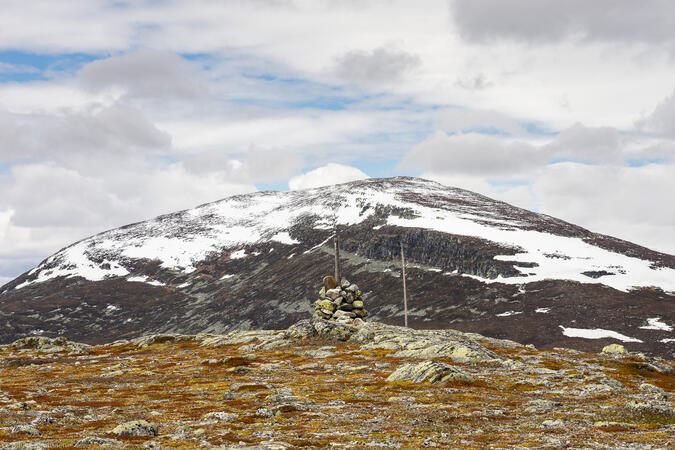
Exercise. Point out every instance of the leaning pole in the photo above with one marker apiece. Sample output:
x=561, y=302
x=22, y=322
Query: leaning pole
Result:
x=405, y=293
x=336, y=242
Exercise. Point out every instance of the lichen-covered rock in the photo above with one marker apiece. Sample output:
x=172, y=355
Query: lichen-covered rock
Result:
x=353, y=289
x=615, y=349
x=652, y=407
x=333, y=293
x=146, y=341
x=357, y=304
x=364, y=333
x=30, y=430
x=456, y=351
x=136, y=428
x=30, y=404
x=653, y=391
x=301, y=330
x=219, y=416
x=427, y=372
x=49, y=345
x=361, y=313
x=325, y=304
x=95, y=440
x=251, y=387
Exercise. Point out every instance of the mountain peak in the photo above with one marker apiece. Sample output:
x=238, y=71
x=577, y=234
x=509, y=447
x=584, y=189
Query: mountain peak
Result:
x=219, y=262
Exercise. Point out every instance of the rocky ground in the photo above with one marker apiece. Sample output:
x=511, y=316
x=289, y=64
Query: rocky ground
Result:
x=319, y=385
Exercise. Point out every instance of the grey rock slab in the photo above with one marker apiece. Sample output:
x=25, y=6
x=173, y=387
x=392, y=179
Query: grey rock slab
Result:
x=136, y=428
x=95, y=440
x=427, y=372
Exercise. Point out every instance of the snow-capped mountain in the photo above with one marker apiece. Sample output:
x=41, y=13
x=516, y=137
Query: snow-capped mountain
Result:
x=256, y=260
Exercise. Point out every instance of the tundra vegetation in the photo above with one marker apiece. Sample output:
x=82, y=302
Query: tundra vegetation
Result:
x=309, y=386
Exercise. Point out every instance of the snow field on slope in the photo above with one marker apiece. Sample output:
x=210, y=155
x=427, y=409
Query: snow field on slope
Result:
x=534, y=246
x=182, y=240
x=596, y=333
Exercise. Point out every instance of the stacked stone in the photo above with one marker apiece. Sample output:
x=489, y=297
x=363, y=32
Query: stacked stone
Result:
x=342, y=303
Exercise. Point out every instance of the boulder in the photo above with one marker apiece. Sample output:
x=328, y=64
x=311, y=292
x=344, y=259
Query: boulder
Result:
x=333, y=293
x=301, y=330
x=325, y=304
x=361, y=313
x=427, y=372
x=614, y=349
x=220, y=416
x=95, y=440
x=136, y=428
x=353, y=288
x=30, y=430
x=358, y=304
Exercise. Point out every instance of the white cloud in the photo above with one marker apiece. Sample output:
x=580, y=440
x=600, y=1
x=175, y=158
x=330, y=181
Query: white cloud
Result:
x=17, y=68
x=326, y=175
x=599, y=144
x=662, y=120
x=144, y=74
x=649, y=21
x=193, y=101
x=381, y=65
x=473, y=153
x=625, y=202
x=116, y=129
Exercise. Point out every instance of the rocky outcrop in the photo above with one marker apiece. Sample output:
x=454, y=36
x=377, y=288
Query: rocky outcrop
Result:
x=49, y=345
x=428, y=372
x=310, y=387
x=136, y=428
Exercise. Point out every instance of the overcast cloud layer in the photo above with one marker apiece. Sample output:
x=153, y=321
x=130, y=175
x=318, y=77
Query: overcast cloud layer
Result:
x=114, y=112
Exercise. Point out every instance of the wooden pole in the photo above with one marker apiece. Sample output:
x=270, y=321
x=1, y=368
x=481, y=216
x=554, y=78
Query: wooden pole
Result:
x=405, y=294
x=336, y=242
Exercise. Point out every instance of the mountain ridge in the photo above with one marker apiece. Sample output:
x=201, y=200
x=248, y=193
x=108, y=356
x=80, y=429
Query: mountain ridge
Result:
x=253, y=260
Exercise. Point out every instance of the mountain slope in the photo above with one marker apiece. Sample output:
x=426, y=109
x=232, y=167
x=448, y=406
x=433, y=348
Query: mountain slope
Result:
x=255, y=261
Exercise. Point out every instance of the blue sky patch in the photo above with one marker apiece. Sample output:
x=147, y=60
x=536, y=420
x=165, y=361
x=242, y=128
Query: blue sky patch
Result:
x=25, y=66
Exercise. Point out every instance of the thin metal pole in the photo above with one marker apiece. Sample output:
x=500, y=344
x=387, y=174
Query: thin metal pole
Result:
x=336, y=242
x=405, y=293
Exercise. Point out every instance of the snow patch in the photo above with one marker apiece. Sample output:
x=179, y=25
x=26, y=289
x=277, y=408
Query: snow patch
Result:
x=542, y=310
x=226, y=276
x=508, y=313
x=665, y=341
x=285, y=238
x=139, y=279
x=144, y=279
x=238, y=254
x=655, y=324
x=597, y=333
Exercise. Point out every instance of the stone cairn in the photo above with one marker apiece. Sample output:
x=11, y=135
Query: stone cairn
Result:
x=342, y=304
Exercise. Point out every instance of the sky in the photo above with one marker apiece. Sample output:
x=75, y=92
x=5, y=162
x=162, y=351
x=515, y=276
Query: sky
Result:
x=113, y=112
